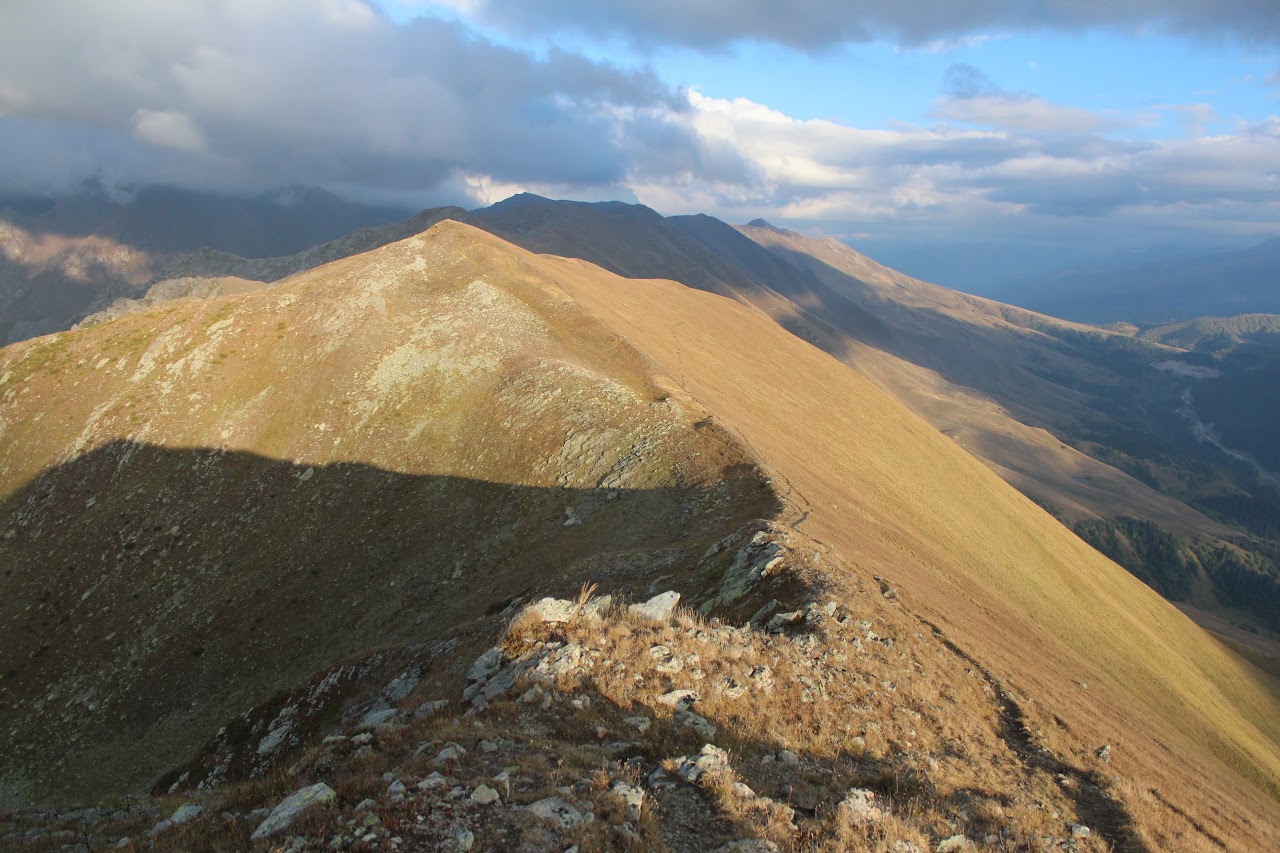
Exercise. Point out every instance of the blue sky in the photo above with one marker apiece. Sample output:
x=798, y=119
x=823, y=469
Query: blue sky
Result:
x=959, y=141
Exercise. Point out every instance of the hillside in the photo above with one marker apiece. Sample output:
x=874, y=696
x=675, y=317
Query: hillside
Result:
x=1086, y=421
x=1216, y=334
x=363, y=472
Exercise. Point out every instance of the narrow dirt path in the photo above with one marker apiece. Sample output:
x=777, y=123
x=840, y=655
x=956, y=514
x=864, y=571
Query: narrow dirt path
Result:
x=1098, y=810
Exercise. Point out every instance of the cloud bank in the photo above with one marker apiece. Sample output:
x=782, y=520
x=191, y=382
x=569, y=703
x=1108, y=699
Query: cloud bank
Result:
x=819, y=24
x=256, y=94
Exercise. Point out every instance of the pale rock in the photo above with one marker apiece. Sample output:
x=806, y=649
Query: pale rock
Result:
x=660, y=608
x=781, y=620
x=1079, y=830
x=859, y=806
x=558, y=811
x=680, y=700
x=748, y=845
x=691, y=768
x=484, y=795
x=430, y=709
x=485, y=665
x=632, y=798
x=185, y=813
x=553, y=610
x=640, y=724
x=435, y=780
x=377, y=717
x=283, y=815
x=451, y=754
x=700, y=724
x=952, y=844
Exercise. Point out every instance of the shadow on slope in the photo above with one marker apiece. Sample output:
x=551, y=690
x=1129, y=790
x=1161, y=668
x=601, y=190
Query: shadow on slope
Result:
x=152, y=593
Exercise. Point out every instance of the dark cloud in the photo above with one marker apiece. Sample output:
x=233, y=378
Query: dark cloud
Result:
x=313, y=91
x=817, y=24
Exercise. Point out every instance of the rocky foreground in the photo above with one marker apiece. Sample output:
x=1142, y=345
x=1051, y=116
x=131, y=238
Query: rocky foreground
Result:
x=837, y=722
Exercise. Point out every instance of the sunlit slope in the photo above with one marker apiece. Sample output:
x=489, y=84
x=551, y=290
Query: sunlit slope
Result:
x=209, y=501
x=893, y=496
x=994, y=377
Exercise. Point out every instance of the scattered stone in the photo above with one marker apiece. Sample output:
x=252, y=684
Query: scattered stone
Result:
x=362, y=739
x=430, y=709
x=451, y=754
x=782, y=620
x=859, y=806
x=553, y=610
x=789, y=758
x=631, y=796
x=464, y=839
x=377, y=717
x=700, y=724
x=1079, y=830
x=712, y=759
x=748, y=845
x=485, y=665
x=293, y=805
x=185, y=813
x=484, y=795
x=640, y=724
x=558, y=811
x=952, y=844
x=678, y=699
x=660, y=608
x=1104, y=753
x=366, y=804
x=435, y=780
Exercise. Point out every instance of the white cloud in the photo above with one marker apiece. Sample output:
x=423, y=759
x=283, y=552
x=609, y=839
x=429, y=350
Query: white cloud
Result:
x=171, y=129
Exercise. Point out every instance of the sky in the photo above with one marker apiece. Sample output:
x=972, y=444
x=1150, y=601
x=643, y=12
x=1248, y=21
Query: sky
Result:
x=962, y=142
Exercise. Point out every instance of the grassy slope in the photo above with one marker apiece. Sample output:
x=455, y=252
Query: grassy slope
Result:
x=220, y=489
x=1046, y=612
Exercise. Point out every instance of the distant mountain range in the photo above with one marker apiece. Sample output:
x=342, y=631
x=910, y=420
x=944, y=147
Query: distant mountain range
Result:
x=64, y=256
x=1241, y=281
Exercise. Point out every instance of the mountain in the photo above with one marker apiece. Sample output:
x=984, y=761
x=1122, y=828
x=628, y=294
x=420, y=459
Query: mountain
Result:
x=1217, y=334
x=64, y=256
x=1088, y=422
x=1239, y=281
x=233, y=526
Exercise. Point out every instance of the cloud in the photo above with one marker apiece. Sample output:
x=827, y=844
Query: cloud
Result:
x=1023, y=182
x=171, y=129
x=329, y=92
x=971, y=97
x=818, y=24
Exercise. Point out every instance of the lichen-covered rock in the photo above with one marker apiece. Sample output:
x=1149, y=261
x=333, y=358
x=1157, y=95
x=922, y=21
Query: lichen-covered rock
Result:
x=558, y=811
x=859, y=806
